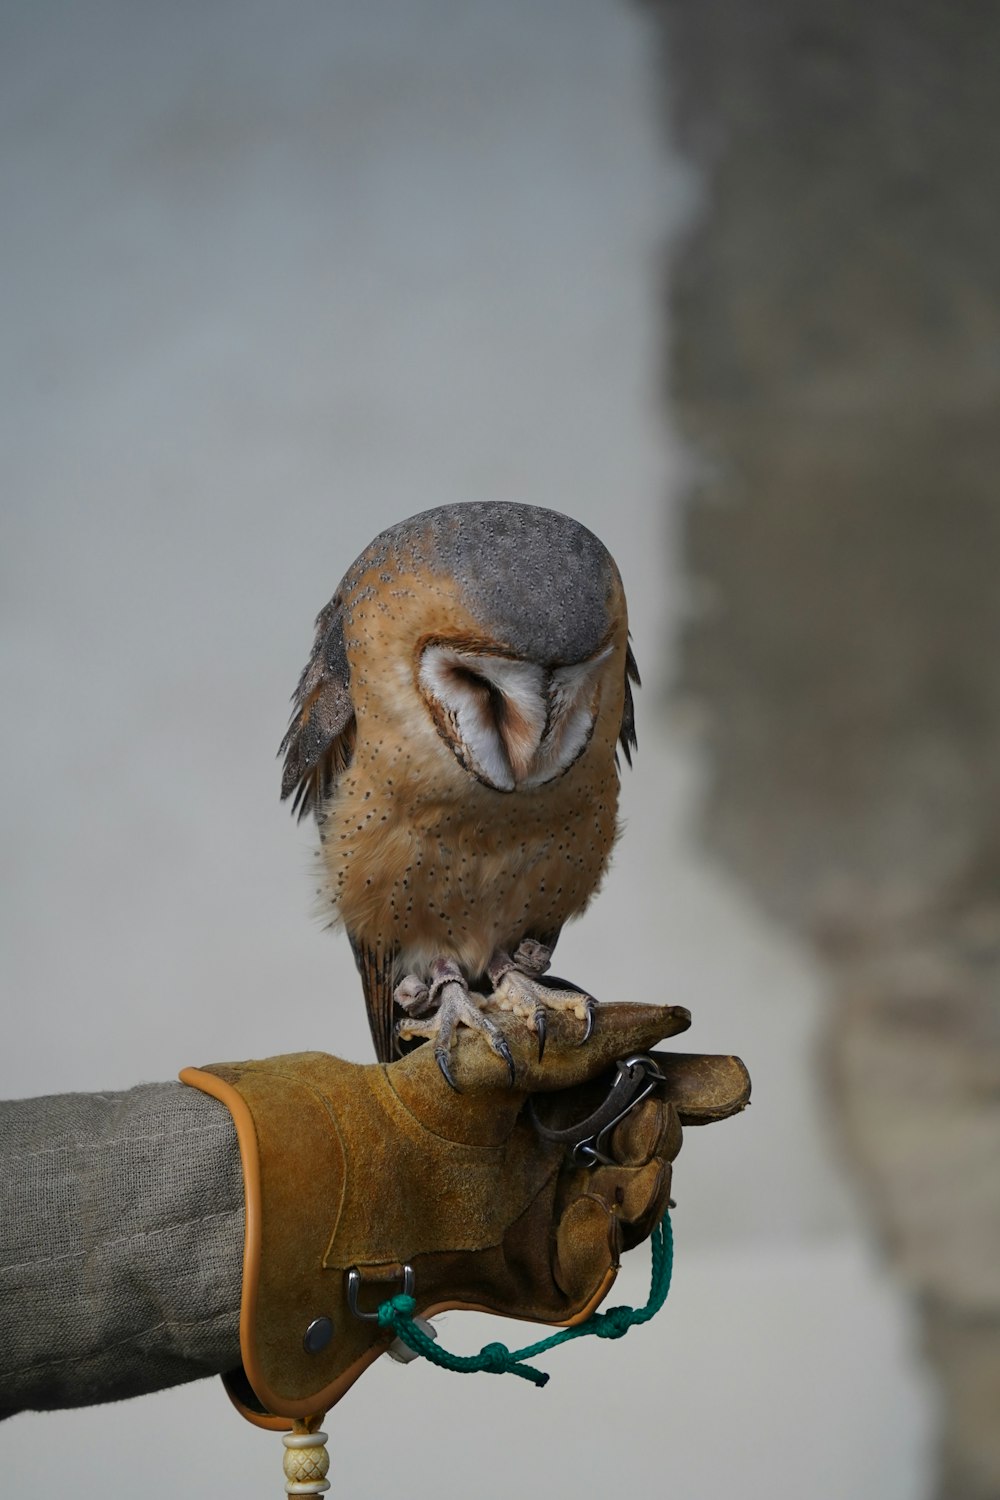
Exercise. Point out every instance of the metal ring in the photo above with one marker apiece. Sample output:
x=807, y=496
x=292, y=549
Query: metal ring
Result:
x=653, y=1076
x=588, y=1142
x=355, y=1281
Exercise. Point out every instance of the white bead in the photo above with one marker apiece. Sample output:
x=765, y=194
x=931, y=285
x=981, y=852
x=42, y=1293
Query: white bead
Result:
x=402, y=1353
x=306, y=1463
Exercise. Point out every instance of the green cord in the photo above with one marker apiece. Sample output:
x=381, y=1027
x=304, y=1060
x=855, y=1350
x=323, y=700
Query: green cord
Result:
x=497, y=1359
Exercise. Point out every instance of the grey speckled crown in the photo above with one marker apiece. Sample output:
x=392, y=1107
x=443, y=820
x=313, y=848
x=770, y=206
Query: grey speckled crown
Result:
x=537, y=580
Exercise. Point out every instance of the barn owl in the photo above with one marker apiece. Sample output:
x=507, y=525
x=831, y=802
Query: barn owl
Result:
x=455, y=734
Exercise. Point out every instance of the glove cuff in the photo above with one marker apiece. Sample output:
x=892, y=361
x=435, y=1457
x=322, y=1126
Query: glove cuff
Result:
x=295, y=1165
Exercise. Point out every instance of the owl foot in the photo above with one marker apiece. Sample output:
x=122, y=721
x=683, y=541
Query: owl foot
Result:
x=516, y=988
x=453, y=1006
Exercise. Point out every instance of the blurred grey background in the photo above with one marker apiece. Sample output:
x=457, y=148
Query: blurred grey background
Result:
x=716, y=280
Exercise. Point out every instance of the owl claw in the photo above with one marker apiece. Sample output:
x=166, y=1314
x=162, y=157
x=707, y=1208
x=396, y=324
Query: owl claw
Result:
x=499, y=1045
x=516, y=988
x=443, y=1061
x=541, y=1028
x=455, y=1007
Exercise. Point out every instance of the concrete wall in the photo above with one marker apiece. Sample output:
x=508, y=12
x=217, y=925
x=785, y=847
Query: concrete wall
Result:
x=836, y=369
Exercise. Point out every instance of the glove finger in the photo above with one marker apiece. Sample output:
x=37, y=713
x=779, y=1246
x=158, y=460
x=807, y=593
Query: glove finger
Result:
x=702, y=1086
x=651, y=1129
x=638, y=1227
x=588, y=1245
x=637, y=1196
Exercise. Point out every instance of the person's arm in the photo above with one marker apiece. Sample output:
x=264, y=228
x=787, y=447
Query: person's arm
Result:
x=121, y=1242
x=123, y=1262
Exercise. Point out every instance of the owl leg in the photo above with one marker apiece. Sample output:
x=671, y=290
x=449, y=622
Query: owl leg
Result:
x=516, y=988
x=454, y=1006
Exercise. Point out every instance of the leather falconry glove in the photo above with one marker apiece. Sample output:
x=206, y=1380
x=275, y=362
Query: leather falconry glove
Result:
x=489, y=1198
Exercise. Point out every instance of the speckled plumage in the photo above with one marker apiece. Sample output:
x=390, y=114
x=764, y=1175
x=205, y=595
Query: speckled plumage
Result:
x=424, y=860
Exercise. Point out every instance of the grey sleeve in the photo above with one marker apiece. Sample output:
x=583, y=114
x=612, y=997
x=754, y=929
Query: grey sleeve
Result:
x=121, y=1244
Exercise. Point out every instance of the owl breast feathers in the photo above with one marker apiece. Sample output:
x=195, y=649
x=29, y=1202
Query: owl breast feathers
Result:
x=455, y=734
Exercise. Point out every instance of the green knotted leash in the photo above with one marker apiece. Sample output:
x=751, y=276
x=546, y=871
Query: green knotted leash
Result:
x=497, y=1359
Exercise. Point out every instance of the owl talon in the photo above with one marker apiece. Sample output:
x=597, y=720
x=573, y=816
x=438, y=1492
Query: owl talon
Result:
x=499, y=1045
x=455, y=1007
x=517, y=989
x=443, y=1061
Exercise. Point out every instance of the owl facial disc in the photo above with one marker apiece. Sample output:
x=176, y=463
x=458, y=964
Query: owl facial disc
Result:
x=512, y=723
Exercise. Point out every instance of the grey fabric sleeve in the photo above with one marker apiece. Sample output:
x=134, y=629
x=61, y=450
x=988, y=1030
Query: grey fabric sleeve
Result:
x=121, y=1244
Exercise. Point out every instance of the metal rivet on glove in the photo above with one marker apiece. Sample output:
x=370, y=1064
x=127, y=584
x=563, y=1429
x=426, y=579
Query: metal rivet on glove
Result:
x=317, y=1335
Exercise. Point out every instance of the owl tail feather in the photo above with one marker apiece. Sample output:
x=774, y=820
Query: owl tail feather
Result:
x=377, y=968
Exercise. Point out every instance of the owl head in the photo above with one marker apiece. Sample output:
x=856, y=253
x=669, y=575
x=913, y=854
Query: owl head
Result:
x=504, y=625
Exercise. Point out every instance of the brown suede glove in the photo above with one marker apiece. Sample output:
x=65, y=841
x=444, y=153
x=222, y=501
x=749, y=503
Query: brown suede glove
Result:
x=373, y=1168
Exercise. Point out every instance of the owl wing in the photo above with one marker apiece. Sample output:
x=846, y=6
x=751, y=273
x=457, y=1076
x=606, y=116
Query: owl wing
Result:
x=627, y=737
x=378, y=981
x=319, y=743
